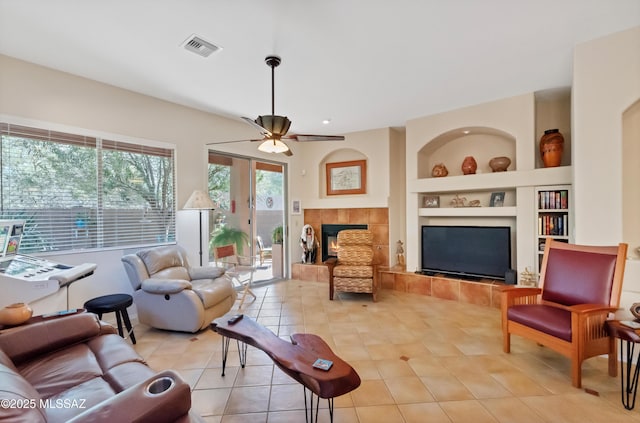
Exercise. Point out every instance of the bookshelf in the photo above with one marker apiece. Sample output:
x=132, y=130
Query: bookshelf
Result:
x=554, y=216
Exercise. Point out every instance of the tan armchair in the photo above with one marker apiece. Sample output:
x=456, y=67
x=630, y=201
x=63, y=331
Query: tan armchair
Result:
x=170, y=294
x=579, y=287
x=353, y=270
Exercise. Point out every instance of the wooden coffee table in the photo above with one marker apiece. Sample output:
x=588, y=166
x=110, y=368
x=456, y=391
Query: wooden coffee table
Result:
x=295, y=358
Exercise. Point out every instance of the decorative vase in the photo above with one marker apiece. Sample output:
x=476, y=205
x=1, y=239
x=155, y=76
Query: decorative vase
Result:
x=15, y=314
x=469, y=165
x=499, y=164
x=551, y=148
x=439, y=171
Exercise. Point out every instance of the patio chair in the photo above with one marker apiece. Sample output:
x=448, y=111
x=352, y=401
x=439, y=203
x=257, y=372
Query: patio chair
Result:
x=239, y=269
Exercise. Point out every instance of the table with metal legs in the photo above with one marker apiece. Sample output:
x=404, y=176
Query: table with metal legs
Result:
x=295, y=358
x=628, y=337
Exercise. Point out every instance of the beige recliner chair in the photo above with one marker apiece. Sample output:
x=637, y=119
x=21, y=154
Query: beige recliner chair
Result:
x=170, y=294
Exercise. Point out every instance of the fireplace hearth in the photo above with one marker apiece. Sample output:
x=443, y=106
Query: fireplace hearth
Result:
x=330, y=237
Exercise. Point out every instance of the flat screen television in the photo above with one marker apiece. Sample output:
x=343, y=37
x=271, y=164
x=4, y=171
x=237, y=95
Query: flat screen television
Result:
x=467, y=251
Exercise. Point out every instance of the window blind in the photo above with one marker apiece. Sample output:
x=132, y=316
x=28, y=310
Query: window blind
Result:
x=78, y=192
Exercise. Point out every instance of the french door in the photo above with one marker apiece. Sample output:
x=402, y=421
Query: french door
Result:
x=250, y=194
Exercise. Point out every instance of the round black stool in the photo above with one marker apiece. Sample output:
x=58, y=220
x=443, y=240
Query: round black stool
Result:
x=114, y=303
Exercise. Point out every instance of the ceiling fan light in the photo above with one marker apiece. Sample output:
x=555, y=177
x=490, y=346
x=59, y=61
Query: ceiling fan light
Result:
x=277, y=125
x=273, y=146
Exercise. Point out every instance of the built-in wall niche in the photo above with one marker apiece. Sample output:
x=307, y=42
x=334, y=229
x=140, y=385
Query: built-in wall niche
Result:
x=338, y=156
x=451, y=148
x=553, y=111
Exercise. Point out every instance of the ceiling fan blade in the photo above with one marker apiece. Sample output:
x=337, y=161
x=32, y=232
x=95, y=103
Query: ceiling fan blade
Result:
x=231, y=142
x=306, y=138
x=253, y=123
x=288, y=153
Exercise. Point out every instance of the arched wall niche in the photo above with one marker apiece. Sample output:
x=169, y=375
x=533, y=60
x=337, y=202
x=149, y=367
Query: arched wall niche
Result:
x=451, y=147
x=631, y=178
x=340, y=155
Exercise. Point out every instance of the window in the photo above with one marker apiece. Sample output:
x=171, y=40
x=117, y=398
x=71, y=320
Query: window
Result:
x=219, y=180
x=78, y=192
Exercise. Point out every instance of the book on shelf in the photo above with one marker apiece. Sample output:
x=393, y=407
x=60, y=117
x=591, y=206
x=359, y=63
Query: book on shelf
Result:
x=553, y=225
x=553, y=200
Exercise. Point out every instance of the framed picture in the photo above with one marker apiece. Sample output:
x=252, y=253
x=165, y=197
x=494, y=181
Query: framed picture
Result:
x=497, y=199
x=296, y=207
x=347, y=177
x=431, y=201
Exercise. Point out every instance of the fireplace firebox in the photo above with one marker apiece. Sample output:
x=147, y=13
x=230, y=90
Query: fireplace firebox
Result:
x=330, y=238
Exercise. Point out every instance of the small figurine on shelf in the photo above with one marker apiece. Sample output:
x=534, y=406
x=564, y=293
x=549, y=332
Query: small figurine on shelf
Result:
x=399, y=254
x=439, y=171
x=459, y=201
x=527, y=278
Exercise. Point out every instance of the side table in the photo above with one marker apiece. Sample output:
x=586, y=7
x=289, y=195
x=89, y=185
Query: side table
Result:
x=629, y=377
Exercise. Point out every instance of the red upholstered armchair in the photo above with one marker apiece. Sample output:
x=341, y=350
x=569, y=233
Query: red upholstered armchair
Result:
x=579, y=286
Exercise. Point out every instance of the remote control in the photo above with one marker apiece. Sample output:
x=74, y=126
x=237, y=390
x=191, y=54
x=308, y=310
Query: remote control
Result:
x=235, y=319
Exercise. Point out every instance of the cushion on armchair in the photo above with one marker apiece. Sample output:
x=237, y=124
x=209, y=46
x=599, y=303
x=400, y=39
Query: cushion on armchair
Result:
x=160, y=258
x=592, y=273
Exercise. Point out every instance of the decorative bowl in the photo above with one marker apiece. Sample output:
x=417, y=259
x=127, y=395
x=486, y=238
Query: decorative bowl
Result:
x=499, y=164
x=15, y=314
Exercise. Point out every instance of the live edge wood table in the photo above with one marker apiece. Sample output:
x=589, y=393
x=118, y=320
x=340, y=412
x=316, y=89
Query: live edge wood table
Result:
x=629, y=377
x=295, y=358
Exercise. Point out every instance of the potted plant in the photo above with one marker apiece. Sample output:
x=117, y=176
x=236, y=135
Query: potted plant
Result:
x=277, y=237
x=225, y=235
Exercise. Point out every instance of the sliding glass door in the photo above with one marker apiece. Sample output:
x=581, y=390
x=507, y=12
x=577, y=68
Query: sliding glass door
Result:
x=250, y=195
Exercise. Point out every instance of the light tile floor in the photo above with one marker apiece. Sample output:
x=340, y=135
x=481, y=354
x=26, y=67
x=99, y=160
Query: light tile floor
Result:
x=421, y=359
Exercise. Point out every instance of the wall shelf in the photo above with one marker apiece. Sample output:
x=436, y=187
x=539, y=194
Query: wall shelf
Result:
x=467, y=211
x=493, y=181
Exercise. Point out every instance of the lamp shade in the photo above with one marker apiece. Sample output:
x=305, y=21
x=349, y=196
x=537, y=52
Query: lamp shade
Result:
x=273, y=146
x=199, y=200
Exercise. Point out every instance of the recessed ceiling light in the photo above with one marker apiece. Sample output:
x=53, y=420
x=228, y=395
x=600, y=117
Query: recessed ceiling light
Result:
x=466, y=132
x=326, y=121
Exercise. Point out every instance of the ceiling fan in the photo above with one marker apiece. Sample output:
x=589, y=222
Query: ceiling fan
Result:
x=274, y=128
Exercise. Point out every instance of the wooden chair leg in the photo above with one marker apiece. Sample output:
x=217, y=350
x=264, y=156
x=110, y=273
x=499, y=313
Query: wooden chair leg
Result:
x=506, y=342
x=576, y=373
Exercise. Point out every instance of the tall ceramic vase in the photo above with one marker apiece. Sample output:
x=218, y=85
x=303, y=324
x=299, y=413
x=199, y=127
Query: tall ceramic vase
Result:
x=551, y=148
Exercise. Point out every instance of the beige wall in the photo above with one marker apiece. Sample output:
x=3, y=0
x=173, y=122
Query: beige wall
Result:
x=39, y=96
x=631, y=178
x=606, y=83
x=398, y=192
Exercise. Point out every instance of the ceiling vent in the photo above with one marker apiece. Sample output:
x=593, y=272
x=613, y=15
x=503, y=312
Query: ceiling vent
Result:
x=199, y=46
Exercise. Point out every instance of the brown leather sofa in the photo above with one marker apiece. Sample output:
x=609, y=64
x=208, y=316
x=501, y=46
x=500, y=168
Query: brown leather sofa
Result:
x=75, y=368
